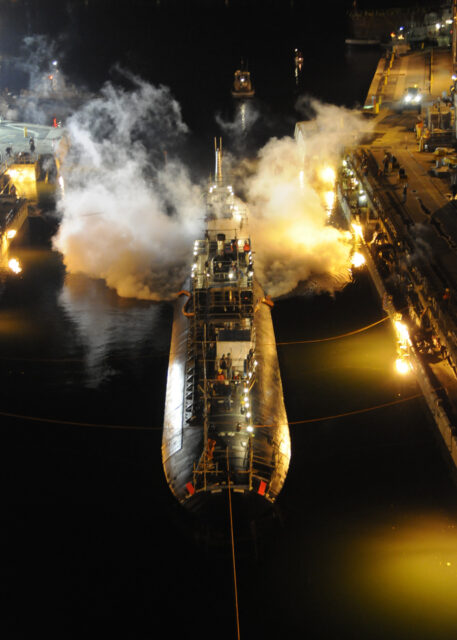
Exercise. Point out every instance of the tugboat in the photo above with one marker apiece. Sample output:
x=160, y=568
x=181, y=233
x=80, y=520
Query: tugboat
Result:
x=225, y=423
x=242, y=85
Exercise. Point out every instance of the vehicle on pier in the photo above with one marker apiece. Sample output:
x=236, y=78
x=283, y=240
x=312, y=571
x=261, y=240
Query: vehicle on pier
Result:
x=412, y=99
x=225, y=424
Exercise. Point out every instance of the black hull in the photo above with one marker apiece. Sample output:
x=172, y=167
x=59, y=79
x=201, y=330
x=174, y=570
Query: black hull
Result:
x=183, y=441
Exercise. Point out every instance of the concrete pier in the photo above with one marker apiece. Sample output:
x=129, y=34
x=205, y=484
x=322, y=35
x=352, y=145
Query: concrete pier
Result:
x=398, y=186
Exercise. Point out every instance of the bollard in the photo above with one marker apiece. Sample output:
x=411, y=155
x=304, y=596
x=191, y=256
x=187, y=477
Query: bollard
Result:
x=25, y=132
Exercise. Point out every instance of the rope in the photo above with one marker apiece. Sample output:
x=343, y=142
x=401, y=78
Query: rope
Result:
x=342, y=335
x=98, y=425
x=79, y=424
x=349, y=413
x=162, y=354
x=233, y=549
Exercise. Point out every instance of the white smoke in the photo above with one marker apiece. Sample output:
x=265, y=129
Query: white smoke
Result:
x=293, y=239
x=245, y=117
x=128, y=216
x=131, y=218
x=48, y=93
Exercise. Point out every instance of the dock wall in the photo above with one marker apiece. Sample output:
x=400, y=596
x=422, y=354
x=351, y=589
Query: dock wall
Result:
x=437, y=408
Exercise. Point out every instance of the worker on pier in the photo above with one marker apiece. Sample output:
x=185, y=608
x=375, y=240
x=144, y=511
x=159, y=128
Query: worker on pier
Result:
x=405, y=191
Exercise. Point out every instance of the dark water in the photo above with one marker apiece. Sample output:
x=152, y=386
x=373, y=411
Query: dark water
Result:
x=362, y=543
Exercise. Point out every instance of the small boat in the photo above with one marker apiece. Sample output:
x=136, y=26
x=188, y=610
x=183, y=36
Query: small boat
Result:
x=242, y=85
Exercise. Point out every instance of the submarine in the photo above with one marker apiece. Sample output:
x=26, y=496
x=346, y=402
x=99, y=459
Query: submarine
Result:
x=225, y=424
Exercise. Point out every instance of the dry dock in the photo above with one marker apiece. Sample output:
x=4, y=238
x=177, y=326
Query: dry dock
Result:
x=398, y=188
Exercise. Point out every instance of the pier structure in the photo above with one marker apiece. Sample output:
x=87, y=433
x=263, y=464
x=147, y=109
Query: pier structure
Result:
x=398, y=191
x=30, y=157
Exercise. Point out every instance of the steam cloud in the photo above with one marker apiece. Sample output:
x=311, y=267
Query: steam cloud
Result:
x=294, y=242
x=246, y=116
x=128, y=216
x=49, y=93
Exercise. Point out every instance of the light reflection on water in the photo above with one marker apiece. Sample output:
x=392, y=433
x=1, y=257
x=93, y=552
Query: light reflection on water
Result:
x=347, y=374
x=398, y=579
x=108, y=325
x=366, y=549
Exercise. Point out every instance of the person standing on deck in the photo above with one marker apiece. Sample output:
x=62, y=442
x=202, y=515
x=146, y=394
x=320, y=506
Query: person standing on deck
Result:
x=228, y=361
x=405, y=191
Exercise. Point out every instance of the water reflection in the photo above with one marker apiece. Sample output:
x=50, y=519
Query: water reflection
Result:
x=243, y=116
x=298, y=64
x=402, y=577
x=109, y=327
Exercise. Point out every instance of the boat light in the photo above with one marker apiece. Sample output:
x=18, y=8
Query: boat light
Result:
x=14, y=265
x=329, y=199
x=357, y=228
x=402, y=331
x=402, y=366
x=358, y=259
x=328, y=175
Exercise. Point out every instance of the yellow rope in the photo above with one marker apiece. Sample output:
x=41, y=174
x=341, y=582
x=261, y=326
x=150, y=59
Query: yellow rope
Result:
x=164, y=353
x=79, y=424
x=258, y=426
x=342, y=335
x=233, y=549
x=348, y=413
